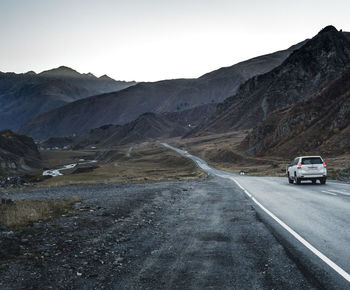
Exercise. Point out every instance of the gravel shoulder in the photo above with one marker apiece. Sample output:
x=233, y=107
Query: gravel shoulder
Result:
x=198, y=234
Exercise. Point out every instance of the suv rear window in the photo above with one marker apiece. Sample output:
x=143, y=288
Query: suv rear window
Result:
x=311, y=160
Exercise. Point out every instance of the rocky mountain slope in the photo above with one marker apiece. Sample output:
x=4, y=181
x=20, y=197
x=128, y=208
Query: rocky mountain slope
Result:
x=159, y=97
x=320, y=125
x=148, y=126
x=25, y=95
x=18, y=153
x=306, y=71
x=192, y=117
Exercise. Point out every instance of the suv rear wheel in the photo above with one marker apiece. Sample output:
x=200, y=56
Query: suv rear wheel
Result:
x=296, y=179
x=289, y=179
x=323, y=180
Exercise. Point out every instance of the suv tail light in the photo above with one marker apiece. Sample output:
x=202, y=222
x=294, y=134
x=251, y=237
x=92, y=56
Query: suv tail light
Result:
x=324, y=164
x=299, y=165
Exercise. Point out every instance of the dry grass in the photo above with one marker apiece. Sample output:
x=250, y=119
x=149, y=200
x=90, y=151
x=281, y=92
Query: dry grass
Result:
x=22, y=212
x=337, y=164
x=148, y=163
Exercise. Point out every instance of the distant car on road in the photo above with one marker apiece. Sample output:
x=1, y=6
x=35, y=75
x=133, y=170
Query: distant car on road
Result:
x=307, y=168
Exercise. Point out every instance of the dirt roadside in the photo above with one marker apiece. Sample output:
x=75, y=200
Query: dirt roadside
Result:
x=199, y=234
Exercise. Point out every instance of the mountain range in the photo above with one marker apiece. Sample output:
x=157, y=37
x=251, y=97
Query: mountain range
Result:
x=295, y=101
x=24, y=95
x=124, y=106
x=305, y=72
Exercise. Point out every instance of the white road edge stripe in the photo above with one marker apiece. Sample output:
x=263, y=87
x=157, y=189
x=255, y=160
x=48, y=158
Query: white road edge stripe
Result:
x=328, y=192
x=339, y=191
x=324, y=258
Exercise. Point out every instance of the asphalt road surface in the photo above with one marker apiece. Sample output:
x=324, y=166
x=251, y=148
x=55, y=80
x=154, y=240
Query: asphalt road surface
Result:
x=311, y=221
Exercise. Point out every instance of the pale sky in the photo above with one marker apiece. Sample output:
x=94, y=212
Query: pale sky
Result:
x=156, y=39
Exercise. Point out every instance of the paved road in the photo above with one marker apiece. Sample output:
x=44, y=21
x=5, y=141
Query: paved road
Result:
x=311, y=220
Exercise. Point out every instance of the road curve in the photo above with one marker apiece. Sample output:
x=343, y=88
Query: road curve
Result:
x=311, y=220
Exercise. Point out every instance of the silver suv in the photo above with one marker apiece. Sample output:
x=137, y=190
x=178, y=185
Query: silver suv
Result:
x=307, y=168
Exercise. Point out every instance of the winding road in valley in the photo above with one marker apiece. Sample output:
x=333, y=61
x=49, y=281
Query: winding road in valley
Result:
x=223, y=232
x=311, y=221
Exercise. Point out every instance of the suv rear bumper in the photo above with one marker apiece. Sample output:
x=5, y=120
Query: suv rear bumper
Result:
x=312, y=177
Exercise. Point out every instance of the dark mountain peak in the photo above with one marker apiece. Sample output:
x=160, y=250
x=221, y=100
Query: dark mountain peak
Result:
x=329, y=28
x=64, y=68
x=329, y=47
x=91, y=75
x=31, y=73
x=62, y=71
x=106, y=78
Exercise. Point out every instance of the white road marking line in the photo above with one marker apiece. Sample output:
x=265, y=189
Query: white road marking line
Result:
x=329, y=192
x=339, y=191
x=324, y=258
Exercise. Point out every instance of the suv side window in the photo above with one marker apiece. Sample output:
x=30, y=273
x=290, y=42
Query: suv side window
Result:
x=295, y=161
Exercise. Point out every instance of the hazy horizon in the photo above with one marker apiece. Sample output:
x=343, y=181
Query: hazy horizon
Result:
x=154, y=40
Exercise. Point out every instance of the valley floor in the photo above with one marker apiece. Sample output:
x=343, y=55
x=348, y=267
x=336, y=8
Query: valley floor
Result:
x=145, y=218
x=141, y=163
x=199, y=234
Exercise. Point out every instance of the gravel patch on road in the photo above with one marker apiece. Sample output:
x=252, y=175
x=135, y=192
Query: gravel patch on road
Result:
x=200, y=234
